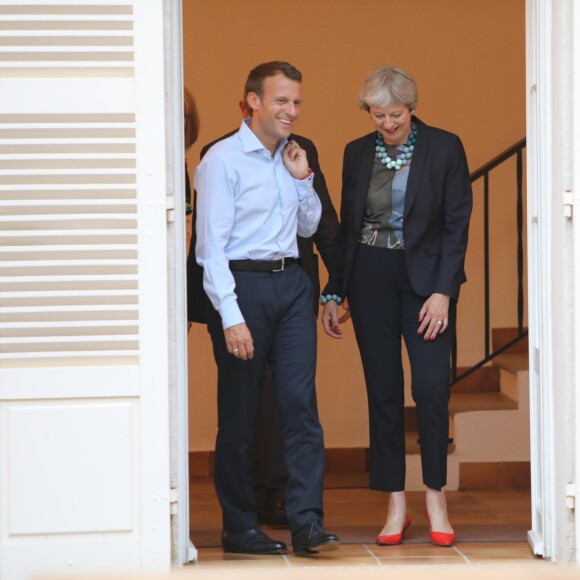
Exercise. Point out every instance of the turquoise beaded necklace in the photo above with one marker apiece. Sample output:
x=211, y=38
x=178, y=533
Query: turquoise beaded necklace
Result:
x=401, y=159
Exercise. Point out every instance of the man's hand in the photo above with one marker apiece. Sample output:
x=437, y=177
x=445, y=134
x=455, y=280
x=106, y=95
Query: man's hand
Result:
x=239, y=341
x=346, y=314
x=433, y=317
x=295, y=160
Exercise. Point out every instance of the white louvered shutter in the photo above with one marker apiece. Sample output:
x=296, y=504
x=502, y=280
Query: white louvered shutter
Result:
x=84, y=443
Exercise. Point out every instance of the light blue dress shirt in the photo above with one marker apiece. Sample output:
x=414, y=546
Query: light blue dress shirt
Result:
x=248, y=207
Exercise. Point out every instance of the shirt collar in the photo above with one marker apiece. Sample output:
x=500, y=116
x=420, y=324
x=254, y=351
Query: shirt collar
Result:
x=251, y=143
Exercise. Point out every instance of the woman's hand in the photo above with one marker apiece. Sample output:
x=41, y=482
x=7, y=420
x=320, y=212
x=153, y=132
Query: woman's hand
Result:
x=330, y=319
x=433, y=317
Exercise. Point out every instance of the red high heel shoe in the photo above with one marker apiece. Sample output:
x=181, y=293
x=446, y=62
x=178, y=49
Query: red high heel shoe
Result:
x=394, y=539
x=446, y=539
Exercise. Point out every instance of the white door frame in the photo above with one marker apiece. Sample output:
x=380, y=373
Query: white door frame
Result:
x=541, y=268
x=576, y=203
x=183, y=550
x=538, y=74
x=553, y=130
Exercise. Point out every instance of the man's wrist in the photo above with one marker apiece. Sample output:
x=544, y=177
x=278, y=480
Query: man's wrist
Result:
x=310, y=172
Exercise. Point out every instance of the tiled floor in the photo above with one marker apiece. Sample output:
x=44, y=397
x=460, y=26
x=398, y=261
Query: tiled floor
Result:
x=491, y=527
x=371, y=555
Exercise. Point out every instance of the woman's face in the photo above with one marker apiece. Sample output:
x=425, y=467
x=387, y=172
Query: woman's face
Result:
x=392, y=122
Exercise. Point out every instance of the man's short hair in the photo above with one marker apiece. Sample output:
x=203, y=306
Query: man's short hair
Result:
x=257, y=76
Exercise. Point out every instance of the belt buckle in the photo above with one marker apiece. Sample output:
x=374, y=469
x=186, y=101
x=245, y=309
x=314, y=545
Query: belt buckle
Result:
x=282, y=268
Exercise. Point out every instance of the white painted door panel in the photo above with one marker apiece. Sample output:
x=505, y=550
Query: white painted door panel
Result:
x=84, y=446
x=539, y=122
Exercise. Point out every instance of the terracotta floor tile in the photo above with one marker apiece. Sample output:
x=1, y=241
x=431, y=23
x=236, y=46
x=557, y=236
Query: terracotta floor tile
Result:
x=325, y=562
x=211, y=552
x=216, y=557
x=349, y=551
x=423, y=561
x=486, y=551
x=240, y=565
x=519, y=519
x=411, y=550
x=505, y=498
x=474, y=518
x=346, y=555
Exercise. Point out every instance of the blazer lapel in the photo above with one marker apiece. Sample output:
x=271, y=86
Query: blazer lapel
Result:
x=365, y=169
x=418, y=163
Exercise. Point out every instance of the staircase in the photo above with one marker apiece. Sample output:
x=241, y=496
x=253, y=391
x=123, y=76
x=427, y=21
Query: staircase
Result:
x=489, y=443
x=488, y=424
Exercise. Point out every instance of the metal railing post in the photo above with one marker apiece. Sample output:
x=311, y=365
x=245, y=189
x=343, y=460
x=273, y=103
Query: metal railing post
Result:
x=520, y=255
x=484, y=172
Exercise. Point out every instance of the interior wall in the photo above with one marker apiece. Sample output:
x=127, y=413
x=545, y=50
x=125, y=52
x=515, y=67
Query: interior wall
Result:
x=468, y=59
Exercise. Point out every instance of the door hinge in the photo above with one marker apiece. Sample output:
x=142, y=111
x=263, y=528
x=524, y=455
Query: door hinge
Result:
x=170, y=208
x=570, y=495
x=173, y=500
x=568, y=203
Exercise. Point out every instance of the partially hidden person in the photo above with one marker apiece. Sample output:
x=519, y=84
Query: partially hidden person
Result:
x=191, y=133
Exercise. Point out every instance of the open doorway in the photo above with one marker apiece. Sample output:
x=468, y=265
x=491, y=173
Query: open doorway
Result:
x=467, y=85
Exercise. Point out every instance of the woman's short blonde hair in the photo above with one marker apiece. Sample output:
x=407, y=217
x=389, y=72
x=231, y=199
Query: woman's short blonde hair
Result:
x=387, y=85
x=190, y=119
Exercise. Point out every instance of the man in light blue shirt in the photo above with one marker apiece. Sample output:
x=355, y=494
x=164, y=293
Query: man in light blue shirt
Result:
x=255, y=194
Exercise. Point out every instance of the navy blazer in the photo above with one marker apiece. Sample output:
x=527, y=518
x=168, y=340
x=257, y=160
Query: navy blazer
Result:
x=324, y=239
x=438, y=204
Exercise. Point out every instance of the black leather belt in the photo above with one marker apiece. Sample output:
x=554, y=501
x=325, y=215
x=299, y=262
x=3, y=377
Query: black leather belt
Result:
x=262, y=265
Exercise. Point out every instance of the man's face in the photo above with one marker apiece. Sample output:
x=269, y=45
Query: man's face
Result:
x=274, y=114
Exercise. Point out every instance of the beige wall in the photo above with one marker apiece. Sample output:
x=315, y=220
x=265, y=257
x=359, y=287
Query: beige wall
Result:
x=468, y=59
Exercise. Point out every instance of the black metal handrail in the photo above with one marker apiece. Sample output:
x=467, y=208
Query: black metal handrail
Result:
x=483, y=173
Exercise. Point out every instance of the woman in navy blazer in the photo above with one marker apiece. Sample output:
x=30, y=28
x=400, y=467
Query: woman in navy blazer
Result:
x=406, y=204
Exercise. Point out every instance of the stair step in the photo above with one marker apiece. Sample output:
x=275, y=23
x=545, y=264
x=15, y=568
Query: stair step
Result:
x=501, y=336
x=512, y=361
x=492, y=401
x=478, y=392
x=484, y=379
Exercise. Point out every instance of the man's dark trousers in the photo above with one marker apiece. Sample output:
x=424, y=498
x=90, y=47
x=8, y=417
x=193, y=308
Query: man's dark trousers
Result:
x=269, y=471
x=277, y=307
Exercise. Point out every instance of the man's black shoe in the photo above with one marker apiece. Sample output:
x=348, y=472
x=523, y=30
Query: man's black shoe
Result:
x=311, y=539
x=251, y=541
x=275, y=516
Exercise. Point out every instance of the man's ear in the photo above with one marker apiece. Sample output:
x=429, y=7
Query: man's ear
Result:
x=253, y=100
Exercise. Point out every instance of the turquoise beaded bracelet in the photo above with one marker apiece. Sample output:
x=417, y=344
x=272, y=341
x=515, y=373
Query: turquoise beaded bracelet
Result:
x=329, y=297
